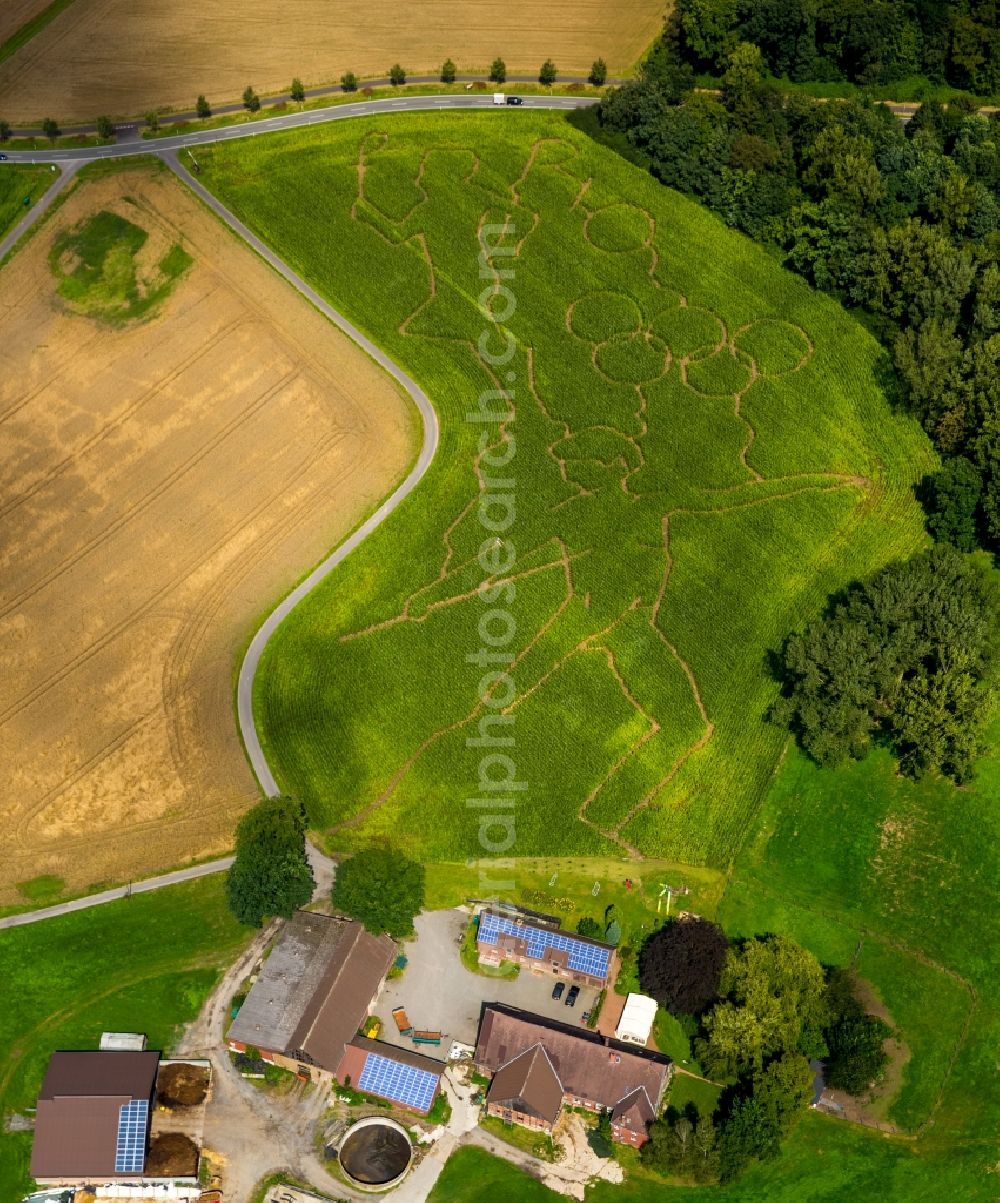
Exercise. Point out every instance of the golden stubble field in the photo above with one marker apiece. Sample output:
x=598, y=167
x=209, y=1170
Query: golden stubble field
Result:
x=162, y=484
x=126, y=57
x=15, y=13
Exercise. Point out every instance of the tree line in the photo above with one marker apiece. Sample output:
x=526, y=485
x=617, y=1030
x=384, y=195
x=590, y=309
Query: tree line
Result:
x=349, y=82
x=901, y=223
x=759, y=1011
x=880, y=41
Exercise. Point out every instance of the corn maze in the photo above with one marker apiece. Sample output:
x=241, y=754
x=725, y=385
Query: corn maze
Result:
x=700, y=453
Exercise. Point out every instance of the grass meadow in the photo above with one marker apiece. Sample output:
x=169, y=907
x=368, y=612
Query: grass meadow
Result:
x=897, y=878
x=17, y=181
x=702, y=454
x=98, y=268
x=145, y=964
x=473, y=1174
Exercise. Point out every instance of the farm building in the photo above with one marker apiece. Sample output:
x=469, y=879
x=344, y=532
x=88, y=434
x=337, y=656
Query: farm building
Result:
x=93, y=1115
x=636, y=1021
x=537, y=1066
x=313, y=993
x=526, y=941
x=395, y=1074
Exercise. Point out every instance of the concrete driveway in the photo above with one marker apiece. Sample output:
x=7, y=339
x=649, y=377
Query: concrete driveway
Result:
x=439, y=993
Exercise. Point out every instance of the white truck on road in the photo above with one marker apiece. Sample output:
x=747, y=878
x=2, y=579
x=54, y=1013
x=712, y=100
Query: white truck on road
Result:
x=499, y=98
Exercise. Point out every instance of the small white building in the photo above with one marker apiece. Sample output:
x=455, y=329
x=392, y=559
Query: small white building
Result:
x=637, y=1018
x=123, y=1042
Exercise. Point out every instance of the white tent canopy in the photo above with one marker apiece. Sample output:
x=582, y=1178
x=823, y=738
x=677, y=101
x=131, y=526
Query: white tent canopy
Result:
x=637, y=1019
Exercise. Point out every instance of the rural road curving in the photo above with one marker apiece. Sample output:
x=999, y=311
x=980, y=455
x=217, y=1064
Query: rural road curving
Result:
x=268, y=125
x=431, y=429
x=167, y=149
x=59, y=182
x=136, y=887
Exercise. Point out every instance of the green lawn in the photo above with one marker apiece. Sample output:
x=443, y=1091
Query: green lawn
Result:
x=144, y=964
x=825, y=1161
x=474, y=1176
x=17, y=181
x=684, y=1090
x=674, y=390
x=903, y=874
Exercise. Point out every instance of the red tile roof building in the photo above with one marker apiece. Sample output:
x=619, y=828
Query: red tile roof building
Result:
x=537, y=1066
x=407, y=1079
x=526, y=939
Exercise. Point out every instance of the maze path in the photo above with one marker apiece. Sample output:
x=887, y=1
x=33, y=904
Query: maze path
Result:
x=696, y=361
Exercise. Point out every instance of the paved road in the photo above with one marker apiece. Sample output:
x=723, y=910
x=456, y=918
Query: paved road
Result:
x=137, y=887
x=135, y=125
x=267, y=125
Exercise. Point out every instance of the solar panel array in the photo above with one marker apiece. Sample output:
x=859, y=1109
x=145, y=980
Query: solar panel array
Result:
x=402, y=1083
x=130, y=1152
x=583, y=957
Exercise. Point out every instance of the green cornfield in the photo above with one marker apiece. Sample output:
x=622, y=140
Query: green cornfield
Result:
x=696, y=452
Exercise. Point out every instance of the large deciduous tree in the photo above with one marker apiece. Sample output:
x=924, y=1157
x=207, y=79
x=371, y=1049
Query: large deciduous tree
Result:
x=681, y=964
x=773, y=1002
x=271, y=874
x=381, y=888
x=906, y=654
x=856, y=1056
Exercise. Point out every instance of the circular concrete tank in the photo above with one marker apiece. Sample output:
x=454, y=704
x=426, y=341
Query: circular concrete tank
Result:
x=376, y=1153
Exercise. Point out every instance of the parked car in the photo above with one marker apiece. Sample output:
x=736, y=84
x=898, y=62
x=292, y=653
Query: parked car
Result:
x=573, y=995
x=557, y=989
x=514, y=100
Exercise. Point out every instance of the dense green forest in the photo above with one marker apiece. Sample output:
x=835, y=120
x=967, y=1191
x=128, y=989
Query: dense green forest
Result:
x=900, y=222
x=862, y=41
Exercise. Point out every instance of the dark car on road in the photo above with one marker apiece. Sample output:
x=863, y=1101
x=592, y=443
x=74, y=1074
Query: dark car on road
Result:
x=3, y=158
x=514, y=100
x=573, y=995
x=557, y=989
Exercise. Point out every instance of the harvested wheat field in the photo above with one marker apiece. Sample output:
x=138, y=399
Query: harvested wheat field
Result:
x=165, y=477
x=125, y=57
x=15, y=13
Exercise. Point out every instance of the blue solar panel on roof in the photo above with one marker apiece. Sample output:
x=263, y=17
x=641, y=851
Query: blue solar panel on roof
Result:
x=583, y=957
x=401, y=1083
x=130, y=1150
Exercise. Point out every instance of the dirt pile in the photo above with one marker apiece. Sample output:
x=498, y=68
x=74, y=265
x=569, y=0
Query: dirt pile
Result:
x=181, y=1085
x=172, y=1155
